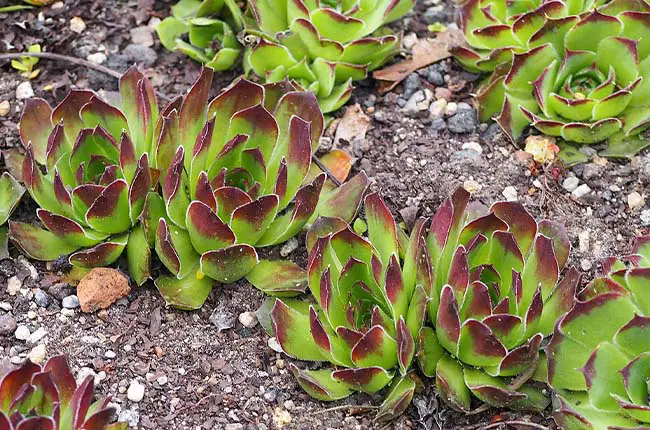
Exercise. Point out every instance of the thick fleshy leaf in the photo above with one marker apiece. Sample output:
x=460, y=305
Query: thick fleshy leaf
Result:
x=320, y=384
x=250, y=221
x=36, y=126
x=193, y=111
x=292, y=330
x=109, y=213
x=175, y=250
x=366, y=379
x=10, y=193
x=37, y=243
x=229, y=264
x=101, y=255
x=399, y=397
x=278, y=278
x=206, y=231
x=138, y=254
x=187, y=293
x=451, y=384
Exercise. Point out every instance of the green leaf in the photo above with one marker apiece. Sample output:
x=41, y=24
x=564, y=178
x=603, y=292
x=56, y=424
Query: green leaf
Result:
x=229, y=264
x=138, y=255
x=37, y=243
x=187, y=293
x=320, y=385
x=169, y=30
x=10, y=193
x=450, y=382
x=398, y=398
x=278, y=278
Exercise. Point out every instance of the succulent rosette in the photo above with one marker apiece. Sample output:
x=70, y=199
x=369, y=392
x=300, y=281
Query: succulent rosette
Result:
x=495, y=30
x=205, y=31
x=369, y=303
x=88, y=169
x=48, y=398
x=497, y=294
x=599, y=356
x=323, y=46
x=585, y=79
x=238, y=176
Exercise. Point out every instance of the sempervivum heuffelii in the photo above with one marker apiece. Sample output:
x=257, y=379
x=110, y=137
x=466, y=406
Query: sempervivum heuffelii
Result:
x=497, y=295
x=369, y=303
x=599, y=357
x=582, y=75
x=88, y=168
x=34, y=397
x=239, y=175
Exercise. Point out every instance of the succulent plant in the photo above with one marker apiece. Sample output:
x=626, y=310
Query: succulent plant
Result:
x=211, y=28
x=48, y=398
x=88, y=169
x=238, y=175
x=495, y=30
x=323, y=46
x=369, y=302
x=10, y=193
x=497, y=293
x=584, y=77
x=598, y=356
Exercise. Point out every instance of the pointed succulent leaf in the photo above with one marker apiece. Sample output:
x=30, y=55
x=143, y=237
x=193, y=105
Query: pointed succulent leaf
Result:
x=10, y=193
x=186, y=293
x=278, y=278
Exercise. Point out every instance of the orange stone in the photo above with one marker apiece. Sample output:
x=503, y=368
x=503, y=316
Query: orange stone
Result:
x=102, y=287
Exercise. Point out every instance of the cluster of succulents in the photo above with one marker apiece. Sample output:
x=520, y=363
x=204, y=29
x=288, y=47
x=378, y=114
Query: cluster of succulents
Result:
x=318, y=46
x=238, y=175
x=369, y=303
x=598, y=359
x=205, y=31
x=497, y=294
x=575, y=70
x=48, y=398
x=87, y=167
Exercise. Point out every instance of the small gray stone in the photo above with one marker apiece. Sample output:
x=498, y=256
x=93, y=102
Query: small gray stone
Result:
x=222, y=319
x=131, y=417
x=41, y=298
x=8, y=325
x=581, y=191
x=465, y=121
x=411, y=85
x=590, y=171
x=234, y=426
x=142, y=36
x=14, y=285
x=290, y=246
x=140, y=54
x=271, y=394
x=39, y=334
x=70, y=302
x=61, y=290
x=570, y=183
x=435, y=77
x=437, y=125
x=645, y=217
x=435, y=14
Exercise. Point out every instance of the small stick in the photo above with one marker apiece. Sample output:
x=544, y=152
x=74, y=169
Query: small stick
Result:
x=512, y=423
x=327, y=171
x=60, y=57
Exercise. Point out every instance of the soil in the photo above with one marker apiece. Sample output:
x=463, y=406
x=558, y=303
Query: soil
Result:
x=199, y=376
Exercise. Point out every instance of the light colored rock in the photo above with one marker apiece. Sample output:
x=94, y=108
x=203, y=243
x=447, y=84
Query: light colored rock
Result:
x=248, y=319
x=585, y=264
x=451, y=109
x=471, y=186
x=131, y=417
x=4, y=107
x=274, y=344
x=570, y=183
x=37, y=354
x=77, y=25
x=14, y=285
x=135, y=393
x=22, y=332
x=142, y=36
x=290, y=246
x=510, y=193
x=581, y=191
x=437, y=108
x=24, y=91
x=110, y=354
x=70, y=302
x=97, y=58
x=635, y=200
x=583, y=241
x=39, y=334
x=645, y=217
x=162, y=380
x=473, y=146
x=281, y=417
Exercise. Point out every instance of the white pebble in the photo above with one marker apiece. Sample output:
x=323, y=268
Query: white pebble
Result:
x=22, y=332
x=97, y=58
x=77, y=25
x=37, y=354
x=110, y=354
x=635, y=200
x=570, y=183
x=473, y=146
x=510, y=193
x=274, y=344
x=135, y=393
x=13, y=286
x=36, y=336
x=24, y=91
x=581, y=191
x=248, y=319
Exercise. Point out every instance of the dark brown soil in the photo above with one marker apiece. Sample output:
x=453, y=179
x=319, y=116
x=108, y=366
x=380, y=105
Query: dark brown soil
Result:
x=197, y=377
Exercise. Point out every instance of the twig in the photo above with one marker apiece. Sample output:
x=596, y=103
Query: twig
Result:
x=344, y=407
x=195, y=405
x=327, y=171
x=511, y=423
x=60, y=57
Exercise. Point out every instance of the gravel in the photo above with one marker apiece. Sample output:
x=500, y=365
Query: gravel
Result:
x=465, y=121
x=70, y=302
x=8, y=325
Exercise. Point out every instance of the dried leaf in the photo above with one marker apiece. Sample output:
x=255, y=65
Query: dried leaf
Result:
x=353, y=125
x=425, y=52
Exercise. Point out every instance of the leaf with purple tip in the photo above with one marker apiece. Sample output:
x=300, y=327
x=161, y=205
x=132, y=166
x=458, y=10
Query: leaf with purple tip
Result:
x=250, y=221
x=188, y=293
x=35, y=127
x=280, y=278
x=104, y=254
x=37, y=243
x=229, y=264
